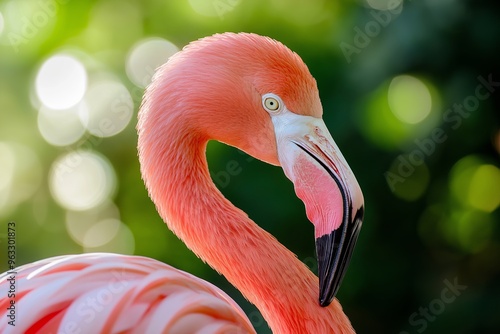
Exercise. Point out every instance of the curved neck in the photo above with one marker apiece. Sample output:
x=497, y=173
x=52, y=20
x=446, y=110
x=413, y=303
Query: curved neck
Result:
x=267, y=274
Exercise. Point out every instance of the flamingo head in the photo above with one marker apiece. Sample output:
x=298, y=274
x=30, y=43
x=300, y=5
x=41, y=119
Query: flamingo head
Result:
x=256, y=94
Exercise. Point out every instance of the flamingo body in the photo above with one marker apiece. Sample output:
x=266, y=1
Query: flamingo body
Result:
x=111, y=293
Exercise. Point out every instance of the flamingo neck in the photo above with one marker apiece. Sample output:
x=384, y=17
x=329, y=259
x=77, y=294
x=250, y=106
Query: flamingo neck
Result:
x=266, y=273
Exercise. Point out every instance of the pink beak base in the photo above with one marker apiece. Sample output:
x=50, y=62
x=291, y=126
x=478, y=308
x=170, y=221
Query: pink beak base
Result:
x=329, y=206
x=325, y=183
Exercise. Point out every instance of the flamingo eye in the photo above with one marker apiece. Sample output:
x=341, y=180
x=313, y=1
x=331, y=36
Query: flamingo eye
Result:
x=272, y=103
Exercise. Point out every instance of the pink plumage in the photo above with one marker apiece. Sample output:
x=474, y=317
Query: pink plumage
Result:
x=111, y=293
x=250, y=92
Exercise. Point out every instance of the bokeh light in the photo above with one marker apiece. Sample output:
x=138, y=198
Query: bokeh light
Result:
x=110, y=107
x=20, y=174
x=62, y=127
x=7, y=168
x=145, y=57
x=27, y=23
x=460, y=177
x=78, y=223
x=201, y=7
x=399, y=111
x=484, y=189
x=379, y=124
x=122, y=242
x=81, y=180
x=474, y=230
x=469, y=230
x=1, y=23
x=101, y=232
x=61, y=82
x=475, y=184
x=409, y=99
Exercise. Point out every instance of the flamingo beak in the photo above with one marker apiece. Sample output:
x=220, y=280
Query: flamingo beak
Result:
x=325, y=183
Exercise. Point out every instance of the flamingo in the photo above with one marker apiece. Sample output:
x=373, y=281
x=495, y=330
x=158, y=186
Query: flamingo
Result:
x=250, y=92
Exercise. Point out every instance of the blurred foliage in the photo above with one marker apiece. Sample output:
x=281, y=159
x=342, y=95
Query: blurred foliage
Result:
x=429, y=172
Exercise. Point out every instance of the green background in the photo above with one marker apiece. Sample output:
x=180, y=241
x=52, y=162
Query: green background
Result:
x=389, y=82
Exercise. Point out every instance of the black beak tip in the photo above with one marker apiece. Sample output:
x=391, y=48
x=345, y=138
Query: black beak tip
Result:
x=324, y=301
x=334, y=252
x=327, y=248
x=329, y=290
